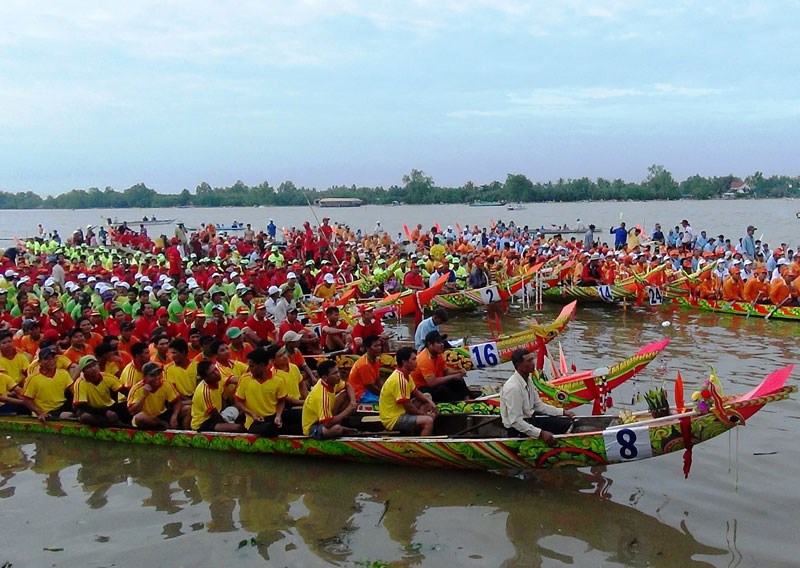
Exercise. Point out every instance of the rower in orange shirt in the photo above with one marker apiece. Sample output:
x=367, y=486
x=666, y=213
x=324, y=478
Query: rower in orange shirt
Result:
x=779, y=291
x=756, y=289
x=733, y=286
x=709, y=287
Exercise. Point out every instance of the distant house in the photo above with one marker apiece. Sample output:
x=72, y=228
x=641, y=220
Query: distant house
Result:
x=740, y=187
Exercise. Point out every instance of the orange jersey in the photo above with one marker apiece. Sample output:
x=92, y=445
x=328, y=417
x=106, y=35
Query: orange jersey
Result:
x=755, y=290
x=733, y=289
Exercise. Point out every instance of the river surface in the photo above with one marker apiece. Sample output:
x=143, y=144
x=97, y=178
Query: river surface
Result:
x=71, y=503
x=775, y=218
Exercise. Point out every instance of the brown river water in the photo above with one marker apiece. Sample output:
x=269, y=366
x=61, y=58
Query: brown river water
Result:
x=71, y=503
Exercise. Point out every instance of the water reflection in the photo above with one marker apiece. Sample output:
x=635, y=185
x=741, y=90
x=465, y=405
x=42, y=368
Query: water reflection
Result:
x=311, y=512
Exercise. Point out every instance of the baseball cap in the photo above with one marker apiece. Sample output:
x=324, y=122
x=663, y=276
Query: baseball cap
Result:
x=86, y=361
x=233, y=332
x=291, y=336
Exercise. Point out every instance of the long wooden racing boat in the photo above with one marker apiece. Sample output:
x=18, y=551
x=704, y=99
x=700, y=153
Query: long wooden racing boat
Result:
x=488, y=353
x=591, y=441
x=568, y=391
x=740, y=308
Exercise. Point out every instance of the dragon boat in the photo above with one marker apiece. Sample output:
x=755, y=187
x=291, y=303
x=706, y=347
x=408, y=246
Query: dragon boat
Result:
x=770, y=311
x=473, y=441
x=486, y=354
x=551, y=274
x=567, y=391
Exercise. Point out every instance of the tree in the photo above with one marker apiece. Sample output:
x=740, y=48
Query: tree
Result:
x=518, y=188
x=418, y=187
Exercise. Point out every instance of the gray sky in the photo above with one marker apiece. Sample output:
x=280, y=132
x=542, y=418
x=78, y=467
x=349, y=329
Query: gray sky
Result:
x=348, y=92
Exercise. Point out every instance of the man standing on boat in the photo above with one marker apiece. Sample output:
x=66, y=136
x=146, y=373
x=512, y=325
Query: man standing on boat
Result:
x=522, y=411
x=620, y=236
x=749, y=243
x=588, y=238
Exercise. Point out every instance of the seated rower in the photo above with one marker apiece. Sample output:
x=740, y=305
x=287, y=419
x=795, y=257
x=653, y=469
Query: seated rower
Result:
x=433, y=376
x=46, y=392
x=95, y=394
x=154, y=403
x=260, y=395
x=365, y=374
x=208, y=415
x=336, y=334
x=11, y=401
x=403, y=407
x=521, y=408
x=329, y=403
x=293, y=383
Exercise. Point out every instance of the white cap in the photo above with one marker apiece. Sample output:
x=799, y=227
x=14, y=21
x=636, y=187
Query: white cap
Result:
x=219, y=307
x=145, y=279
x=167, y=287
x=234, y=274
x=24, y=279
x=49, y=282
x=328, y=278
x=81, y=276
x=781, y=262
x=273, y=290
x=291, y=275
x=162, y=277
x=240, y=285
x=123, y=284
x=9, y=273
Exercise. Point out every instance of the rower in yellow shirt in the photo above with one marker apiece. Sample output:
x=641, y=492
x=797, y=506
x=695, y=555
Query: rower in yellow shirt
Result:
x=154, y=403
x=261, y=395
x=13, y=361
x=95, y=394
x=402, y=405
x=328, y=404
x=208, y=414
x=46, y=392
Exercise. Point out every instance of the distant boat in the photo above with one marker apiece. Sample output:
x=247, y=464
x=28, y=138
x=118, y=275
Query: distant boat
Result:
x=339, y=202
x=478, y=203
x=232, y=227
x=145, y=221
x=515, y=207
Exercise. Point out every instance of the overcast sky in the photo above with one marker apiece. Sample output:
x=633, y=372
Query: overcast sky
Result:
x=346, y=92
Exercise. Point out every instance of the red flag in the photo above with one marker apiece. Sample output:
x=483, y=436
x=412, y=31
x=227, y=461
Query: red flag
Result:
x=679, y=394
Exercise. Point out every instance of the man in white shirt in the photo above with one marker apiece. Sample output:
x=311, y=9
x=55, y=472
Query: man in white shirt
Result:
x=521, y=408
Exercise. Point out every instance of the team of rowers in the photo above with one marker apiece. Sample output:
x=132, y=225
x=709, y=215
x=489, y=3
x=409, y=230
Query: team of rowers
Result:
x=203, y=332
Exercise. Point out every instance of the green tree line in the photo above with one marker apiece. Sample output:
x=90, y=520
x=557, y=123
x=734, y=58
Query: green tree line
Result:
x=419, y=188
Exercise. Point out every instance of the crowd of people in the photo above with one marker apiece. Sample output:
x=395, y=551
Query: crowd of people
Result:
x=204, y=331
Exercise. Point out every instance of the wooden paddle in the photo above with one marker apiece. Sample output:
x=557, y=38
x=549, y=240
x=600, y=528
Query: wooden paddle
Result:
x=776, y=308
x=752, y=305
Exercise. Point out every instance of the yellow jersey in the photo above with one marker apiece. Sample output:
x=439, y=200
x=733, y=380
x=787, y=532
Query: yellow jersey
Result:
x=293, y=377
x=48, y=393
x=395, y=391
x=16, y=367
x=205, y=400
x=157, y=402
x=260, y=397
x=184, y=379
x=101, y=395
x=318, y=407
